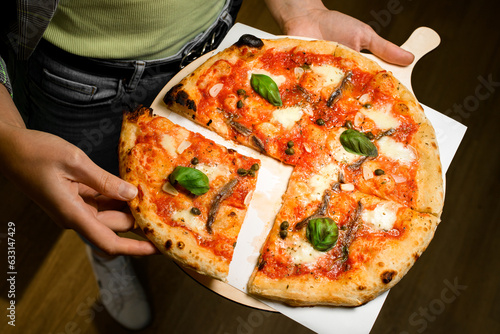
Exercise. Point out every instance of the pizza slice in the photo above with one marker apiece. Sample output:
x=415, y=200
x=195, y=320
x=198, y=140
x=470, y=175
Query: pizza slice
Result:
x=193, y=194
x=333, y=245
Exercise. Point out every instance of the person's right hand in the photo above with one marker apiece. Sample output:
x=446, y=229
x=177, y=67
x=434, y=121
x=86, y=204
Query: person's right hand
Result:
x=310, y=18
x=75, y=193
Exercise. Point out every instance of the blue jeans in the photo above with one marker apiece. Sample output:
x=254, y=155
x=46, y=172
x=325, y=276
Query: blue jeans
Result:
x=85, y=107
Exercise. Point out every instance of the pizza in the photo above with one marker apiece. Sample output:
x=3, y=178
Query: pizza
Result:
x=366, y=192
x=192, y=193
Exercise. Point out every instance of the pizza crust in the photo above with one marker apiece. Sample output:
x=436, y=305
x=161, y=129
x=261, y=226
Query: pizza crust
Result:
x=180, y=246
x=430, y=195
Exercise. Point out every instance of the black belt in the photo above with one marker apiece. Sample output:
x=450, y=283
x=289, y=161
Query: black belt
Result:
x=99, y=66
x=126, y=69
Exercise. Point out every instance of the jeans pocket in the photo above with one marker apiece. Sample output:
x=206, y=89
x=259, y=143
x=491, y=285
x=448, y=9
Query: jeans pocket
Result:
x=70, y=87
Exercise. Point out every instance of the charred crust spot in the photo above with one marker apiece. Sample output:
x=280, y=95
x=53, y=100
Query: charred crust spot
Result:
x=170, y=96
x=191, y=105
x=416, y=256
x=250, y=41
x=168, y=244
x=147, y=230
x=128, y=170
x=137, y=209
x=177, y=95
x=361, y=287
x=262, y=265
x=182, y=98
x=133, y=116
x=387, y=276
x=232, y=214
x=180, y=245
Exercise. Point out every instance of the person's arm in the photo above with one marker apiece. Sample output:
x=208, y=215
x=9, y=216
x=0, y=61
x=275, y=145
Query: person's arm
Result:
x=310, y=18
x=61, y=179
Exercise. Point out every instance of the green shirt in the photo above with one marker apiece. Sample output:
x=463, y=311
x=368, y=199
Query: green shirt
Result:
x=129, y=29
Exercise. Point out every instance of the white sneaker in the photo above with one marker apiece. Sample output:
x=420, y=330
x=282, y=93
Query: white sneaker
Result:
x=121, y=292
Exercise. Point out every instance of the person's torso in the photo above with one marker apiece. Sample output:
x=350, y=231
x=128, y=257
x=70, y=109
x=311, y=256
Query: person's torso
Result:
x=129, y=29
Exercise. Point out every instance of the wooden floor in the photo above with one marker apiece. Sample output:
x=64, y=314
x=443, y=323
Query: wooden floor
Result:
x=453, y=288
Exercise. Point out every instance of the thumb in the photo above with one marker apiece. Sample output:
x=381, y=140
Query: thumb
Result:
x=104, y=182
x=390, y=52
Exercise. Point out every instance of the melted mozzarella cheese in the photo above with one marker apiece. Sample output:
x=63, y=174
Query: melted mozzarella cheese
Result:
x=279, y=79
x=397, y=151
x=322, y=181
x=213, y=172
x=302, y=252
x=287, y=116
x=382, y=217
x=193, y=222
x=313, y=188
x=382, y=117
x=331, y=74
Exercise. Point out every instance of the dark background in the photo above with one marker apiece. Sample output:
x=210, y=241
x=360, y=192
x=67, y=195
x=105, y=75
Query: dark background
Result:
x=454, y=286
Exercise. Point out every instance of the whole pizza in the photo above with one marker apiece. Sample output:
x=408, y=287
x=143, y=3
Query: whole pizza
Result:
x=363, y=200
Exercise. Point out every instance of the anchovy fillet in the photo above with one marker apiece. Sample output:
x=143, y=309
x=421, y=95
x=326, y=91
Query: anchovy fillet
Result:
x=224, y=193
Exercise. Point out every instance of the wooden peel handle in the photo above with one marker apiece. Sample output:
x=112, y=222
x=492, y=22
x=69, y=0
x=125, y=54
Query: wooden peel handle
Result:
x=422, y=41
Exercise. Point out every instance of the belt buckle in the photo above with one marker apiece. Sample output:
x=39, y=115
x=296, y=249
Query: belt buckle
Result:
x=195, y=53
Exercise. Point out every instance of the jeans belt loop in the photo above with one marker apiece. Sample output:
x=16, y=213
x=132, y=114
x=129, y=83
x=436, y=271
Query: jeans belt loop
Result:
x=134, y=80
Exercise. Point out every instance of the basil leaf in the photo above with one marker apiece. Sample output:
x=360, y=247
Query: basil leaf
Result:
x=356, y=142
x=190, y=179
x=267, y=88
x=322, y=233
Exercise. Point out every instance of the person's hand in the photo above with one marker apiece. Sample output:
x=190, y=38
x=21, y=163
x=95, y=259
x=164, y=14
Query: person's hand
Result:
x=75, y=193
x=310, y=18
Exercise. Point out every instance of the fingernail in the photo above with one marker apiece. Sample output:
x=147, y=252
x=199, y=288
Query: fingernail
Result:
x=127, y=191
